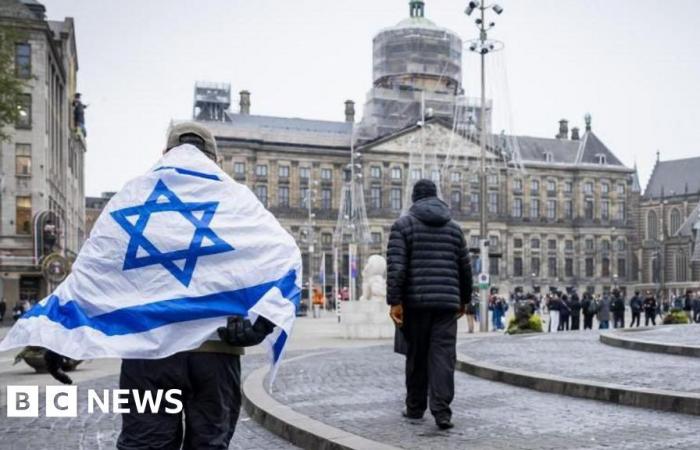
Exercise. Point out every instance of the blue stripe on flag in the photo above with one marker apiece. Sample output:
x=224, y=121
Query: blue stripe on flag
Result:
x=193, y=173
x=278, y=346
x=140, y=318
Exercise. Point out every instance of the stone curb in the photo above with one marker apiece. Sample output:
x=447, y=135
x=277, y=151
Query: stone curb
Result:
x=616, y=340
x=294, y=427
x=657, y=399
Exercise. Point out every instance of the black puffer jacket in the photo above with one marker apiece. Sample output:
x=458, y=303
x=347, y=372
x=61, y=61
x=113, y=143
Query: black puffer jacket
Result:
x=427, y=259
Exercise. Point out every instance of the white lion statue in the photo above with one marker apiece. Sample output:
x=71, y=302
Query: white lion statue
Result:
x=373, y=279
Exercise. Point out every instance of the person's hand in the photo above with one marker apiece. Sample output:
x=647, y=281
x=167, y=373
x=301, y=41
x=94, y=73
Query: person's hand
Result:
x=396, y=314
x=239, y=332
x=462, y=310
x=54, y=363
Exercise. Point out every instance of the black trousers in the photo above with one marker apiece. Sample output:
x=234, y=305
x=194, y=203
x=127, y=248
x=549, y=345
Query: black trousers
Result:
x=431, y=337
x=587, y=321
x=649, y=317
x=575, y=320
x=636, y=316
x=618, y=320
x=211, y=397
x=563, y=322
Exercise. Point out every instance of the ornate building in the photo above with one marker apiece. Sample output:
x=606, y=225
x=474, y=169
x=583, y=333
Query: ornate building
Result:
x=560, y=218
x=42, y=200
x=668, y=215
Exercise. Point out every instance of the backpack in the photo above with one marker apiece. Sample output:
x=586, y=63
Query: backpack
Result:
x=592, y=307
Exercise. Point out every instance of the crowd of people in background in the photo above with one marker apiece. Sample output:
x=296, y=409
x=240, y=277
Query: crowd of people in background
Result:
x=567, y=310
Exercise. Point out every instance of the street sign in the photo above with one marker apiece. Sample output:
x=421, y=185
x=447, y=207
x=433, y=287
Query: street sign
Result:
x=484, y=281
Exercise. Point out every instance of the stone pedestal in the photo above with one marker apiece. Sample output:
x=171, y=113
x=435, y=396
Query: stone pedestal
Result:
x=366, y=319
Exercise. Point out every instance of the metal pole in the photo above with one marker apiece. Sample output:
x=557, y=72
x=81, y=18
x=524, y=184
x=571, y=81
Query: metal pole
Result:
x=336, y=299
x=483, y=250
x=311, y=250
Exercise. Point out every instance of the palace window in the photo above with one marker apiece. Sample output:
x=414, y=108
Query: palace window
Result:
x=261, y=193
x=326, y=198
x=517, y=207
x=395, y=199
x=261, y=170
x=283, y=196
x=375, y=197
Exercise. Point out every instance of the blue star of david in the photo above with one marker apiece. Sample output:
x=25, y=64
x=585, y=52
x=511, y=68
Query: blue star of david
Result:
x=167, y=259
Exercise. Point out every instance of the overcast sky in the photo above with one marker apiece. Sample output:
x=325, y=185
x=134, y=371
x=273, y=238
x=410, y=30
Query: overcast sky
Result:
x=633, y=64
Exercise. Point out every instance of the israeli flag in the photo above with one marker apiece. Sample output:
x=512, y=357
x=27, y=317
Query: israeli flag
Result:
x=173, y=254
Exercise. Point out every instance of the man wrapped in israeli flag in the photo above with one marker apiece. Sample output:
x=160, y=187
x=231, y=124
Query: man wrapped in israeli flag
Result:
x=183, y=269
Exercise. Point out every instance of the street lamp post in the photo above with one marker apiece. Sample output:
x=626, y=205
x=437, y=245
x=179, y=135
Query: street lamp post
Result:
x=310, y=239
x=483, y=46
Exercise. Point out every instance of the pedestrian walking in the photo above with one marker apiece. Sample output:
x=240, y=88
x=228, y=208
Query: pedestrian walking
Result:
x=636, y=308
x=575, y=311
x=649, y=309
x=429, y=284
x=3, y=308
x=589, y=306
x=554, y=306
x=617, y=308
x=696, y=307
x=604, y=312
x=564, y=313
x=471, y=315
x=688, y=305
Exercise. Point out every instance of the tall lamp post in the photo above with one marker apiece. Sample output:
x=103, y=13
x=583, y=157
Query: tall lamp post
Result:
x=483, y=46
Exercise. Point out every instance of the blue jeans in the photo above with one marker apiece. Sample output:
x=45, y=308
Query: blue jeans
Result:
x=604, y=325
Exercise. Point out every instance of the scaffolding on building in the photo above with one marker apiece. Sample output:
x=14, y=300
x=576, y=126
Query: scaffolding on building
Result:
x=211, y=101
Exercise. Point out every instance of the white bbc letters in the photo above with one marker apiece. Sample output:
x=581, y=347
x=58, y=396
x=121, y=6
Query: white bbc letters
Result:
x=22, y=401
x=61, y=401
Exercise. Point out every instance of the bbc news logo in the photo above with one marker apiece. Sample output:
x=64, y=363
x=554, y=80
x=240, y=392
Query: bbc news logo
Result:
x=62, y=401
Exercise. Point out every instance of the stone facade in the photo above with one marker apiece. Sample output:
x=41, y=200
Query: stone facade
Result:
x=531, y=223
x=665, y=255
x=43, y=162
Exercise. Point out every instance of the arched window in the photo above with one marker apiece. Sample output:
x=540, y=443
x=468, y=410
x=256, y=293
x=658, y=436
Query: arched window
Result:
x=681, y=267
x=652, y=225
x=675, y=221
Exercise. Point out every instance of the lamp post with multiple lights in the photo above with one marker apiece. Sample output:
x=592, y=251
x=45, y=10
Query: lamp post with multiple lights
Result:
x=483, y=46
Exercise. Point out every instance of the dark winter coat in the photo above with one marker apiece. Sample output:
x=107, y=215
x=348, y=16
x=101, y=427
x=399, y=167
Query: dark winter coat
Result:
x=687, y=303
x=636, y=304
x=650, y=306
x=427, y=259
x=618, y=306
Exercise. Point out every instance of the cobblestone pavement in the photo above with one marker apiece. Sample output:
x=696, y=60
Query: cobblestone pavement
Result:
x=100, y=431
x=580, y=354
x=679, y=334
x=361, y=391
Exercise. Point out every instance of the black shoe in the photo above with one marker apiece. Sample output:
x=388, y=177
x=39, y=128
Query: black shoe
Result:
x=411, y=415
x=444, y=424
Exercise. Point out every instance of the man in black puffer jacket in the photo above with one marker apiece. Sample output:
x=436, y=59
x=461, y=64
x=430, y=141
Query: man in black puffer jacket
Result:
x=429, y=283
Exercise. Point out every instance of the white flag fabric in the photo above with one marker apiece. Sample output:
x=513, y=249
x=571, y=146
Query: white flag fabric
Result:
x=172, y=255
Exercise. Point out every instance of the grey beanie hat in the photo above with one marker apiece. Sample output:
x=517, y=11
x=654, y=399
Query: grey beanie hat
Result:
x=177, y=131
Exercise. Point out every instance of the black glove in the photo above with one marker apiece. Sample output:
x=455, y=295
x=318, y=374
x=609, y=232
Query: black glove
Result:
x=54, y=364
x=239, y=332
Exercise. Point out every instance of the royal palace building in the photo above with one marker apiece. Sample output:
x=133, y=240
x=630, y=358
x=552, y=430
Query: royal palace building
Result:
x=564, y=212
